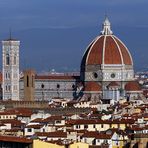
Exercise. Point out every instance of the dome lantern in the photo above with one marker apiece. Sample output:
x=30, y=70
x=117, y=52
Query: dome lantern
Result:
x=106, y=27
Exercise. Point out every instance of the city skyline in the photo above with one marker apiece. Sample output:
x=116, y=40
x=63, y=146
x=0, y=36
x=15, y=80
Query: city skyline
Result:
x=49, y=31
x=74, y=73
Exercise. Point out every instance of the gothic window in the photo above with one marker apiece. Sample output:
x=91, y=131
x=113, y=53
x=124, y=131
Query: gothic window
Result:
x=14, y=60
x=32, y=81
x=6, y=87
x=27, y=81
x=6, y=75
x=7, y=59
x=9, y=87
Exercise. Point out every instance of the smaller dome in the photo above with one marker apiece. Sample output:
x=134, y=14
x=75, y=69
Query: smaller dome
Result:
x=113, y=85
x=132, y=86
x=92, y=86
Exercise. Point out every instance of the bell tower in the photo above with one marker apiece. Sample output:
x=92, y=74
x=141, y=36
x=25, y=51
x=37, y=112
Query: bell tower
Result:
x=29, y=85
x=10, y=66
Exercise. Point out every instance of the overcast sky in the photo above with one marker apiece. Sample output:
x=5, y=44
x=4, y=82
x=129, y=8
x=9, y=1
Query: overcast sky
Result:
x=55, y=33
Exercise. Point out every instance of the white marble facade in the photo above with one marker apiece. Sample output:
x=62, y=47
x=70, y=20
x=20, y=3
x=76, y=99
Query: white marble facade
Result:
x=10, y=66
x=46, y=89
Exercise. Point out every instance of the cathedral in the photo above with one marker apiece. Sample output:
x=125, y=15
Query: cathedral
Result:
x=107, y=67
x=106, y=73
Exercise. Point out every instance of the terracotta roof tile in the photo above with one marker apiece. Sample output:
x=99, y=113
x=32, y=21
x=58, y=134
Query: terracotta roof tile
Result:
x=15, y=139
x=113, y=84
x=98, y=121
x=13, y=130
x=92, y=86
x=96, y=135
x=53, y=118
x=126, y=57
x=35, y=126
x=24, y=112
x=42, y=134
x=112, y=47
x=37, y=120
x=56, y=77
x=57, y=134
x=132, y=86
x=13, y=122
x=111, y=51
x=96, y=52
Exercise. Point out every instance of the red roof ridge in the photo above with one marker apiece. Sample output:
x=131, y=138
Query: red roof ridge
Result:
x=113, y=84
x=15, y=139
x=132, y=86
x=56, y=77
x=92, y=86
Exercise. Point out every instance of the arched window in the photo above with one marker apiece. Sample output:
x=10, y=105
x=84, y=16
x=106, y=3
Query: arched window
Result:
x=27, y=81
x=6, y=87
x=32, y=81
x=14, y=60
x=9, y=88
x=7, y=59
x=6, y=75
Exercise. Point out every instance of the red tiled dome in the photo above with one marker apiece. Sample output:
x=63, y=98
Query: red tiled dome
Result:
x=108, y=50
x=113, y=84
x=132, y=86
x=92, y=86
